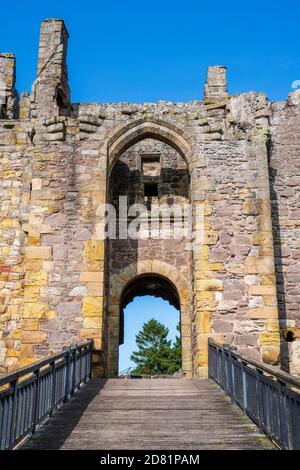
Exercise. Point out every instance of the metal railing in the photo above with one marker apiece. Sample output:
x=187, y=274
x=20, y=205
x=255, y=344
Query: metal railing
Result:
x=269, y=396
x=125, y=373
x=32, y=394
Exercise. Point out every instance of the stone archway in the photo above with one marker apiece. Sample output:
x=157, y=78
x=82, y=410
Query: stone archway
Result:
x=118, y=284
x=167, y=132
x=122, y=139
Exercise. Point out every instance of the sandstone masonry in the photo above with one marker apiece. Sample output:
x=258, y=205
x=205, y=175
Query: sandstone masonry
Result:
x=236, y=155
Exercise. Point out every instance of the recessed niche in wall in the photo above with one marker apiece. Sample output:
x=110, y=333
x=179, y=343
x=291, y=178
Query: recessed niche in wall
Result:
x=151, y=190
x=150, y=165
x=289, y=336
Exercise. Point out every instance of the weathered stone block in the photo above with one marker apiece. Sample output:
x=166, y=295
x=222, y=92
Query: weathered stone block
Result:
x=270, y=355
x=30, y=325
x=34, y=310
x=262, y=312
x=91, y=333
x=262, y=290
x=206, y=300
x=92, y=306
x=34, y=337
x=204, y=322
x=51, y=315
x=259, y=265
x=26, y=351
x=269, y=338
x=251, y=207
x=95, y=289
x=94, y=250
x=206, y=266
x=91, y=277
x=39, y=252
x=31, y=293
x=38, y=278
x=209, y=285
x=92, y=322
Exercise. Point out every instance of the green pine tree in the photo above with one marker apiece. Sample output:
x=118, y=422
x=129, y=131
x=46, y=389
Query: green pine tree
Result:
x=155, y=355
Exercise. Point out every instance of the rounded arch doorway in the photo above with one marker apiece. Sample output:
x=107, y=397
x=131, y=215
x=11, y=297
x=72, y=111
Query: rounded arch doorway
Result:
x=150, y=308
x=159, y=280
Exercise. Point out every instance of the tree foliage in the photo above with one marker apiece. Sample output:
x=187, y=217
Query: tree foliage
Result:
x=156, y=355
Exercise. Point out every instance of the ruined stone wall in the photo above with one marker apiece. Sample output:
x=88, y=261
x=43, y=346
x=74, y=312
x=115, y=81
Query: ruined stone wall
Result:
x=14, y=197
x=61, y=283
x=235, y=294
x=285, y=197
x=9, y=105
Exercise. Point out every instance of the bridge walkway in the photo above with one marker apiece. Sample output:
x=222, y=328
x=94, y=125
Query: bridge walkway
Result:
x=149, y=414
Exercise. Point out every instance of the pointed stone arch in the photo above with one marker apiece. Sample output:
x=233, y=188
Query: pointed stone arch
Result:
x=118, y=284
x=127, y=135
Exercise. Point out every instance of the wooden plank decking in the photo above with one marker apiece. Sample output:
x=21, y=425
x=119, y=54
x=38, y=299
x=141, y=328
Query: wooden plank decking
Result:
x=149, y=414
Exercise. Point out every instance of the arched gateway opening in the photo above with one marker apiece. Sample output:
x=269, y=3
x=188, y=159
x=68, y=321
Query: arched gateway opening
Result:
x=145, y=298
x=148, y=166
x=155, y=278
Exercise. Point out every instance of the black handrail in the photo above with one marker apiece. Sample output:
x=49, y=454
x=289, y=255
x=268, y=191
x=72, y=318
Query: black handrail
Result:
x=32, y=394
x=269, y=396
x=125, y=372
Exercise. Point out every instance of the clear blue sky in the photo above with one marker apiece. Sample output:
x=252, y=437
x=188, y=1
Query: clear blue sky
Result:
x=141, y=310
x=130, y=50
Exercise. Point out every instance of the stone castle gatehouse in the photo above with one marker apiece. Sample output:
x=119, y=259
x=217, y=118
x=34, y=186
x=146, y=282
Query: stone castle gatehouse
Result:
x=236, y=156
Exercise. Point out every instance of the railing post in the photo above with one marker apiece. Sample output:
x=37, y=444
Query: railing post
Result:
x=67, y=382
x=74, y=372
x=91, y=359
x=80, y=367
x=12, y=424
x=223, y=374
x=36, y=401
x=221, y=367
x=53, y=391
x=259, y=396
x=244, y=378
x=230, y=375
x=211, y=362
x=87, y=363
x=209, y=359
x=84, y=364
x=281, y=416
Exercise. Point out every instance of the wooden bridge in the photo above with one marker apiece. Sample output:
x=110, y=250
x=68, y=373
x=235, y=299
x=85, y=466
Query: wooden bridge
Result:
x=149, y=414
x=59, y=408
